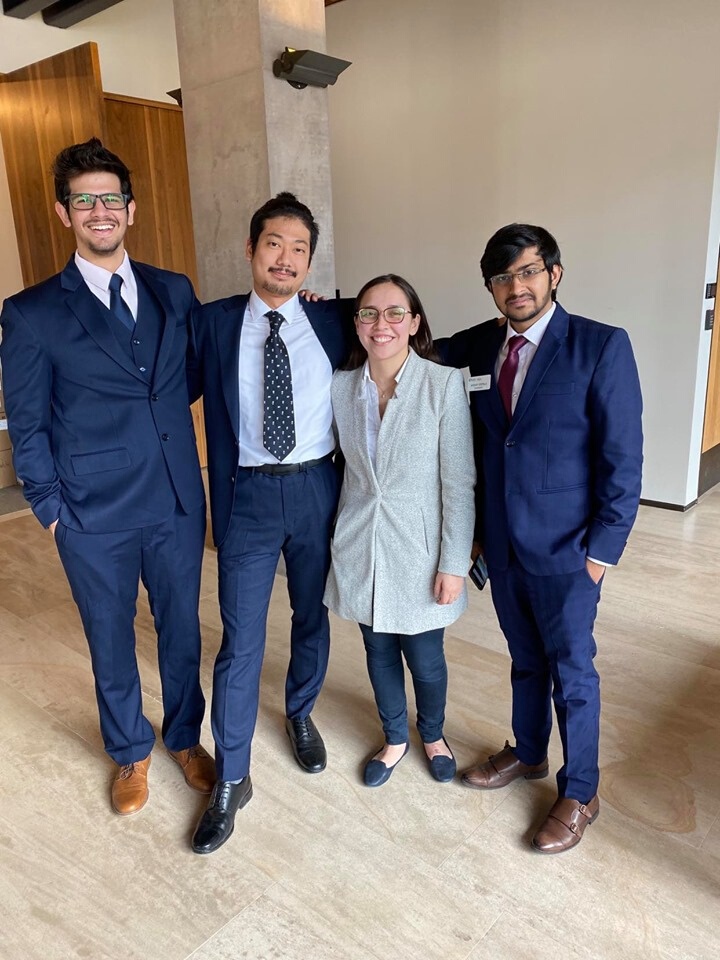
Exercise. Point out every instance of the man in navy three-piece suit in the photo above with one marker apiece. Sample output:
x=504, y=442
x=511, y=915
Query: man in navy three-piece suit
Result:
x=94, y=368
x=266, y=362
x=556, y=407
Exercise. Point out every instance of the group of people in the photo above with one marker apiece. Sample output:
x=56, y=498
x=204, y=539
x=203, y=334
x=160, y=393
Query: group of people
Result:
x=340, y=436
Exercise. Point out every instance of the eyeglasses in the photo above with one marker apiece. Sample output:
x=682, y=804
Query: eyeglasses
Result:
x=87, y=201
x=505, y=279
x=391, y=314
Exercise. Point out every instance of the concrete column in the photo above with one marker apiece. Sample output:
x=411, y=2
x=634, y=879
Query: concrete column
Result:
x=250, y=135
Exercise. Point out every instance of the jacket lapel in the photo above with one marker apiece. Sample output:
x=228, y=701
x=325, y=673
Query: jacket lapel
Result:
x=396, y=414
x=228, y=346
x=549, y=348
x=159, y=288
x=85, y=306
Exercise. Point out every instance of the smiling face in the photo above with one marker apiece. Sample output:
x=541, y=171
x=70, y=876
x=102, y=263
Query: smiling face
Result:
x=384, y=341
x=523, y=301
x=100, y=233
x=280, y=261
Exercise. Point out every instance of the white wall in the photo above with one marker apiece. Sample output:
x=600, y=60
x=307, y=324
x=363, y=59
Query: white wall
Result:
x=596, y=120
x=136, y=41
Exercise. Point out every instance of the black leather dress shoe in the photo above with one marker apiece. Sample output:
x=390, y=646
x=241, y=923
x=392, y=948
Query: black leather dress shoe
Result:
x=377, y=773
x=307, y=744
x=218, y=822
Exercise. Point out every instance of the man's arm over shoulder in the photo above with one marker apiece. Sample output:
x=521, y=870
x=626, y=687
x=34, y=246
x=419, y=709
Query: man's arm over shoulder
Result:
x=615, y=410
x=27, y=385
x=461, y=348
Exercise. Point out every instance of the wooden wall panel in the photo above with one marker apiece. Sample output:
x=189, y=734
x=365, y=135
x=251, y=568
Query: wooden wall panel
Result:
x=43, y=108
x=150, y=138
x=711, y=429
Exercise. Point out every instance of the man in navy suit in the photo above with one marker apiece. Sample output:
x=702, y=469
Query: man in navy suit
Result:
x=266, y=362
x=557, y=409
x=94, y=366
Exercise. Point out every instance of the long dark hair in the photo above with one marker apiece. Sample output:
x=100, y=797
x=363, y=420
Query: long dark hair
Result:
x=421, y=341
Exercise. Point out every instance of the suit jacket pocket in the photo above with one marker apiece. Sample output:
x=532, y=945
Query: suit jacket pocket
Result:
x=101, y=461
x=555, y=388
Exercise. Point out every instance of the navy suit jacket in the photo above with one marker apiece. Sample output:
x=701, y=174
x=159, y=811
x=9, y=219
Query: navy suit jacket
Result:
x=561, y=481
x=215, y=375
x=95, y=442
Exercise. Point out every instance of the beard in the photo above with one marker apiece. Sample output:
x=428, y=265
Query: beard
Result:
x=280, y=289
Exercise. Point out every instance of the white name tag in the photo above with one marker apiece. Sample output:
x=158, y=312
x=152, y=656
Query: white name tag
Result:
x=479, y=383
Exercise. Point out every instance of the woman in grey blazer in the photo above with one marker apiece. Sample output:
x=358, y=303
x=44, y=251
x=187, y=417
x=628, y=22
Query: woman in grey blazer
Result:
x=404, y=528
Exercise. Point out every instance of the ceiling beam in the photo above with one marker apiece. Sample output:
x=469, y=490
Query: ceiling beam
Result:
x=23, y=8
x=66, y=13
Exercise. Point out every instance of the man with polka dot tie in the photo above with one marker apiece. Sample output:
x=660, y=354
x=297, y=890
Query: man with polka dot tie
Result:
x=265, y=365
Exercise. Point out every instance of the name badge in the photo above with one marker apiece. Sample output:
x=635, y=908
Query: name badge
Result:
x=479, y=383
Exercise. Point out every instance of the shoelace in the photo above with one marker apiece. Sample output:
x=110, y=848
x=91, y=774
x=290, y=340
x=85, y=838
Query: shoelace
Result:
x=221, y=794
x=302, y=731
x=126, y=771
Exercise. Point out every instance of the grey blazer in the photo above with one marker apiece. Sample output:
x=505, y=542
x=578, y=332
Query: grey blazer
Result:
x=397, y=527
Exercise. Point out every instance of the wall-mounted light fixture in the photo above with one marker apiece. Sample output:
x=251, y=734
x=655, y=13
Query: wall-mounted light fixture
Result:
x=306, y=67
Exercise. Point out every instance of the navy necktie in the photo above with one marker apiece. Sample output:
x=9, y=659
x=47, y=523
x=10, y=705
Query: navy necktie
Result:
x=118, y=307
x=506, y=380
x=278, y=411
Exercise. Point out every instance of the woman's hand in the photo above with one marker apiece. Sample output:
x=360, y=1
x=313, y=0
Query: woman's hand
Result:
x=447, y=588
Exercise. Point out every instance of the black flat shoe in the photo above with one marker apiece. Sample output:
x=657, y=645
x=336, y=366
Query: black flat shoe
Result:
x=377, y=773
x=218, y=822
x=307, y=744
x=443, y=769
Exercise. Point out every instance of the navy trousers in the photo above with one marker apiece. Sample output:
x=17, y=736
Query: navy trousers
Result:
x=292, y=515
x=548, y=624
x=104, y=570
x=425, y=658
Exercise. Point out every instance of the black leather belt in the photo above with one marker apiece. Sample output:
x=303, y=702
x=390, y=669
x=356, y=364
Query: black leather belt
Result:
x=285, y=469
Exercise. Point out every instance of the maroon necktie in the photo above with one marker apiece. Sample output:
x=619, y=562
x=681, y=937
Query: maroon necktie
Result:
x=506, y=380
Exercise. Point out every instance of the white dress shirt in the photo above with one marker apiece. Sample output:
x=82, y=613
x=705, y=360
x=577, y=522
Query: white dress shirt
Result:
x=527, y=351
x=311, y=377
x=372, y=398
x=98, y=280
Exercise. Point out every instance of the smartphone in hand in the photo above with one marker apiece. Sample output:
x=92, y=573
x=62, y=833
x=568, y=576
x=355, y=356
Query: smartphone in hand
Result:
x=479, y=572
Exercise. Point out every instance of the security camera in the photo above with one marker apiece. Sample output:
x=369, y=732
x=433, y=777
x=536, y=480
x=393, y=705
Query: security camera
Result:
x=306, y=67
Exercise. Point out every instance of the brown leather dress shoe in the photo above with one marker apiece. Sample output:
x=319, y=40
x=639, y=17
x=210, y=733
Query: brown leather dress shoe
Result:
x=198, y=767
x=130, y=787
x=501, y=769
x=565, y=824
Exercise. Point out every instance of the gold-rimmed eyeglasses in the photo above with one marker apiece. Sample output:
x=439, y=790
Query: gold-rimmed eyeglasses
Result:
x=391, y=314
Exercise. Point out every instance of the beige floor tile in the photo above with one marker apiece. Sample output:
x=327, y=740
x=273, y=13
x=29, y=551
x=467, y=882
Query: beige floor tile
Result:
x=511, y=939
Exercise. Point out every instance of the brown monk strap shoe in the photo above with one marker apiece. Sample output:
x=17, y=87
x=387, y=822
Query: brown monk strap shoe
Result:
x=198, y=767
x=130, y=788
x=501, y=769
x=565, y=824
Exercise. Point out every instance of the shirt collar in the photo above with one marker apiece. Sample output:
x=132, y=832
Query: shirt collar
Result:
x=534, y=333
x=366, y=370
x=99, y=276
x=291, y=309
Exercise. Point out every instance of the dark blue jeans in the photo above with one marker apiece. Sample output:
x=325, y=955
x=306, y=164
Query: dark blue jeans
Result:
x=425, y=658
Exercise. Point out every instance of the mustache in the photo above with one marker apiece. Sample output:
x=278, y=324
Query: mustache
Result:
x=292, y=273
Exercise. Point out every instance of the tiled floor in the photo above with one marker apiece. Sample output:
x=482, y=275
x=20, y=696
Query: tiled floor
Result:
x=321, y=867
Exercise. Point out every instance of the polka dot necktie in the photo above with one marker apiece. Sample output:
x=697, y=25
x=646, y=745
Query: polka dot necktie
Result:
x=278, y=411
x=118, y=307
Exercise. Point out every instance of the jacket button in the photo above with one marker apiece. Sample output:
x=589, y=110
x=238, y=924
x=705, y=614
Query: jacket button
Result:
x=141, y=369
x=136, y=343
x=166, y=436
x=154, y=397
x=510, y=443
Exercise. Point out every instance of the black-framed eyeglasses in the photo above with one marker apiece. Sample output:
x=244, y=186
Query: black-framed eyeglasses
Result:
x=505, y=279
x=391, y=314
x=87, y=201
